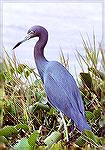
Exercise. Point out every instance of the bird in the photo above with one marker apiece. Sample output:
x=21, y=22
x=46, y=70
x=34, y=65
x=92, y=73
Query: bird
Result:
x=60, y=86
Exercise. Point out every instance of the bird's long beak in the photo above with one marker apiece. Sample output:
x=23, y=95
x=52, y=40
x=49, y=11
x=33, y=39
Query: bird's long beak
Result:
x=30, y=35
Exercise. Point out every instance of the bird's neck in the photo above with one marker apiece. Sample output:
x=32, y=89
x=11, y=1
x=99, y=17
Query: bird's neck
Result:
x=40, y=60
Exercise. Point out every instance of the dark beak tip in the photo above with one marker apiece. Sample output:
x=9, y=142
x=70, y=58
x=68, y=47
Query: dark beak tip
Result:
x=13, y=48
x=25, y=39
x=16, y=45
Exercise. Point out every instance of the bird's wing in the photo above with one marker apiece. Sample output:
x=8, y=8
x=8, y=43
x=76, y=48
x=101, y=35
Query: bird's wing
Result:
x=62, y=90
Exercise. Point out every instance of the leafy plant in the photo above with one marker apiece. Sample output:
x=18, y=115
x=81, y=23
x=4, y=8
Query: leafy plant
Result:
x=27, y=120
x=93, y=86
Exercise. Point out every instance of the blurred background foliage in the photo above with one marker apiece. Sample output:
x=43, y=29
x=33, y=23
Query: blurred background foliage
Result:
x=29, y=122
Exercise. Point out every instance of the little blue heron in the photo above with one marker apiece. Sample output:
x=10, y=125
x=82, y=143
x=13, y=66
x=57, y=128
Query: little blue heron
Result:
x=59, y=84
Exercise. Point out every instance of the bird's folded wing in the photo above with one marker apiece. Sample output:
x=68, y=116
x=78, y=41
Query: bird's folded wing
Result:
x=62, y=90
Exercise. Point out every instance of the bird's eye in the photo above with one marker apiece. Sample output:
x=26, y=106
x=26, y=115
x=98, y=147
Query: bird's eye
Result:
x=32, y=32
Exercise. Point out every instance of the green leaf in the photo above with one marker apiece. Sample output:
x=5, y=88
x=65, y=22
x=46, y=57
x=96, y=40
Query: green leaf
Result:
x=44, y=94
x=89, y=115
x=39, y=105
x=27, y=73
x=20, y=68
x=3, y=140
x=80, y=141
x=102, y=121
x=58, y=146
x=52, y=111
x=38, y=95
x=91, y=137
x=1, y=111
x=23, y=145
x=53, y=138
x=11, y=107
x=22, y=126
x=103, y=140
x=33, y=138
x=97, y=113
x=86, y=80
x=2, y=78
x=8, y=131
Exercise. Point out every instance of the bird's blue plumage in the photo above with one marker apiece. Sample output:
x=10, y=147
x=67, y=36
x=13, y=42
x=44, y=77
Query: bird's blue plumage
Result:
x=64, y=94
x=60, y=86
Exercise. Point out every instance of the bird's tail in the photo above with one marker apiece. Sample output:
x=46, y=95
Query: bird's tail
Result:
x=83, y=125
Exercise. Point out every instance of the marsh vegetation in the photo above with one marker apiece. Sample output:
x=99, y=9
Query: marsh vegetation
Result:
x=27, y=121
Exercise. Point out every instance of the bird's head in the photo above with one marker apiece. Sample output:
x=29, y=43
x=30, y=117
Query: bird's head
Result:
x=34, y=31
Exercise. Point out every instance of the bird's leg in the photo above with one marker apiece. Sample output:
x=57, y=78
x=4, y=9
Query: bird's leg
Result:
x=71, y=128
x=65, y=127
x=72, y=125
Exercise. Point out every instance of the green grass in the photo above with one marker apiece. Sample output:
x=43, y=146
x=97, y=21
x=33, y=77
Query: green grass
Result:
x=26, y=115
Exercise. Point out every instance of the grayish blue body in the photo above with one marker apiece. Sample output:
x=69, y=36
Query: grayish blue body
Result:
x=59, y=84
